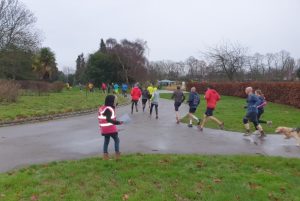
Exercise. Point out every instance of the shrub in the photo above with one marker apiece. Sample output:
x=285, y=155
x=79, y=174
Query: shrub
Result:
x=57, y=86
x=9, y=91
x=38, y=87
x=287, y=93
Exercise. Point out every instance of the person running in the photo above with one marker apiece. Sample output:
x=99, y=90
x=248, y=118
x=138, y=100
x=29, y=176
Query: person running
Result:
x=107, y=123
x=261, y=106
x=212, y=97
x=154, y=103
x=116, y=88
x=194, y=101
x=179, y=98
x=145, y=97
x=124, y=89
x=150, y=89
x=252, y=111
x=135, y=96
x=103, y=87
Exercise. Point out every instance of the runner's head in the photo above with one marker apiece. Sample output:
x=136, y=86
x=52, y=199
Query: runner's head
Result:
x=259, y=93
x=249, y=90
x=178, y=87
x=193, y=89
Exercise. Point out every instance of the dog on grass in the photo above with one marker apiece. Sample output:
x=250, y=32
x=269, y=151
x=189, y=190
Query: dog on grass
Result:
x=290, y=132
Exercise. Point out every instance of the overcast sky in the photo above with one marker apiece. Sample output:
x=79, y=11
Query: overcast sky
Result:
x=173, y=29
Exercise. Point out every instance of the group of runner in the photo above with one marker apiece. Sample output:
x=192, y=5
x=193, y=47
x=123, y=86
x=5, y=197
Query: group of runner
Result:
x=107, y=118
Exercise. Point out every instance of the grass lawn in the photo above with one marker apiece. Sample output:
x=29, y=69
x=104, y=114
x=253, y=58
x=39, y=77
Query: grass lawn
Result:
x=231, y=111
x=66, y=101
x=157, y=177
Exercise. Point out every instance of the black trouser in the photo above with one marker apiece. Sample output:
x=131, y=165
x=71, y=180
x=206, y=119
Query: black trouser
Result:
x=133, y=102
x=260, y=112
x=156, y=109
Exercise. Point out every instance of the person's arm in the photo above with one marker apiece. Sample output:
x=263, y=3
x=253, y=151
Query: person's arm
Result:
x=108, y=114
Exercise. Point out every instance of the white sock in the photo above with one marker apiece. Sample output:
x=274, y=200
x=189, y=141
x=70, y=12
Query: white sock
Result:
x=191, y=121
x=194, y=117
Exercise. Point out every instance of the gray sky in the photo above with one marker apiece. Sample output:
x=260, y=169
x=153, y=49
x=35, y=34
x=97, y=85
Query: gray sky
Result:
x=174, y=29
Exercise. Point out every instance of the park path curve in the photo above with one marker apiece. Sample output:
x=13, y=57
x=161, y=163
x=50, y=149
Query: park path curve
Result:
x=78, y=137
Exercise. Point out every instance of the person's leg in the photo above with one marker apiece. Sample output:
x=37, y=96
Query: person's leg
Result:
x=205, y=119
x=132, y=103
x=105, y=147
x=151, y=108
x=136, y=103
x=117, y=142
x=257, y=125
x=156, y=111
x=247, y=126
x=176, y=105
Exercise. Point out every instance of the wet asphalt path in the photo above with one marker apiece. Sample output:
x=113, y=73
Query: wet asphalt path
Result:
x=78, y=137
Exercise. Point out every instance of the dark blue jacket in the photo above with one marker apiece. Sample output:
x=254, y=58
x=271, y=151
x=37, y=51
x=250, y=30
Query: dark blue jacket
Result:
x=252, y=103
x=194, y=100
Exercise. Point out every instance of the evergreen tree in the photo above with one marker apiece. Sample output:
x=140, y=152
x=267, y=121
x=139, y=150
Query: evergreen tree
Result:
x=102, y=47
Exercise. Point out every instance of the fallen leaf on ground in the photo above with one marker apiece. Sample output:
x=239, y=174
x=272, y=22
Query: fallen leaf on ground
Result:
x=34, y=198
x=253, y=185
x=217, y=180
x=125, y=197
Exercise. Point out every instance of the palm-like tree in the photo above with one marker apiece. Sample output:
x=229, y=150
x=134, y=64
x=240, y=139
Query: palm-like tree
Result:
x=44, y=63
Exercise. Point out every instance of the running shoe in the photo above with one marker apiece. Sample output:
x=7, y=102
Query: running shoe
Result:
x=221, y=126
x=190, y=125
x=269, y=123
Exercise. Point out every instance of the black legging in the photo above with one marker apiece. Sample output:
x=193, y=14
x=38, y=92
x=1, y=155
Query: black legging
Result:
x=134, y=102
x=156, y=108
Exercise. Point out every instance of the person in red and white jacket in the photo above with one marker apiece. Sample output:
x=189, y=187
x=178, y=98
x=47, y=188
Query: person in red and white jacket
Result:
x=212, y=97
x=107, y=123
x=135, y=97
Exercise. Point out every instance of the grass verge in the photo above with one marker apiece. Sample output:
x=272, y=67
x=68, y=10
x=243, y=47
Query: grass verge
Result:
x=231, y=111
x=53, y=103
x=157, y=177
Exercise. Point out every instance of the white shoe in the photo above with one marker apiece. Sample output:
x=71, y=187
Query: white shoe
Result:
x=256, y=132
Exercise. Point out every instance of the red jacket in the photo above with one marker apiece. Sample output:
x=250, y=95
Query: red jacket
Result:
x=212, y=97
x=106, y=127
x=135, y=93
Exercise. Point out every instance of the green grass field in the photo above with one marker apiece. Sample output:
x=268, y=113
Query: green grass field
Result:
x=54, y=103
x=157, y=177
x=231, y=111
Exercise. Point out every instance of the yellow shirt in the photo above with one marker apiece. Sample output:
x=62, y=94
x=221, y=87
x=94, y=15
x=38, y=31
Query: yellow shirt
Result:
x=150, y=89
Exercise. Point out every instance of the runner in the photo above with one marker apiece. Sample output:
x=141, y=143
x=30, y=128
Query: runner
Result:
x=124, y=89
x=261, y=106
x=179, y=98
x=135, y=96
x=212, y=97
x=154, y=103
x=145, y=97
x=252, y=111
x=107, y=124
x=116, y=88
x=194, y=101
x=150, y=89
x=103, y=87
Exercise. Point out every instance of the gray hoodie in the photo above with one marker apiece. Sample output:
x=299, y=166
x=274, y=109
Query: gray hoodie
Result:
x=155, y=98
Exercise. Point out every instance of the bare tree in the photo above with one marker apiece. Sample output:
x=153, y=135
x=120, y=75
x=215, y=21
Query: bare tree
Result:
x=229, y=57
x=17, y=26
x=197, y=69
x=131, y=57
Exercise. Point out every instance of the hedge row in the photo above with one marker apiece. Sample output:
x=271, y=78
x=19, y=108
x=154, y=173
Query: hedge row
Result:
x=287, y=93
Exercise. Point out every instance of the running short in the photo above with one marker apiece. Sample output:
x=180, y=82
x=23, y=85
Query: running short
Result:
x=192, y=110
x=209, y=112
x=177, y=105
x=252, y=116
x=144, y=101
